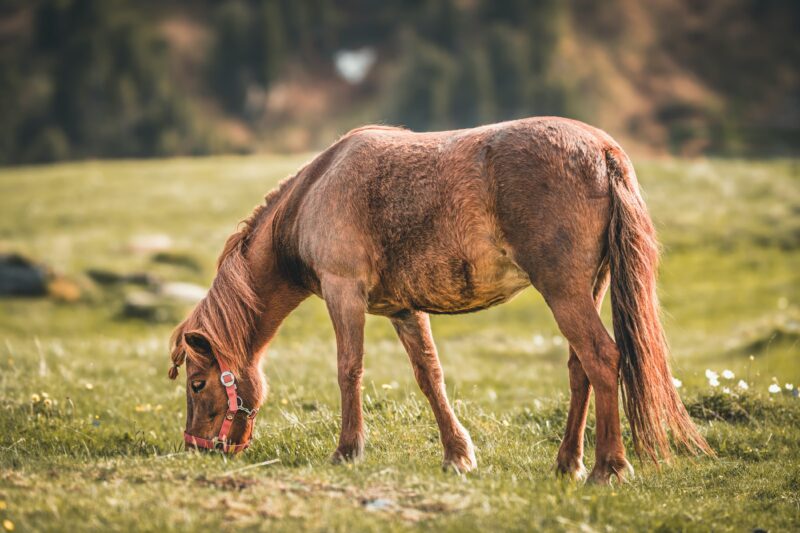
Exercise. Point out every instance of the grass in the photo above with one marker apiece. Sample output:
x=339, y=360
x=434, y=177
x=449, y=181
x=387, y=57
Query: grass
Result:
x=102, y=450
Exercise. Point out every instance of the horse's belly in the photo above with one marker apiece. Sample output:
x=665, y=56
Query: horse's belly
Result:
x=452, y=285
x=489, y=286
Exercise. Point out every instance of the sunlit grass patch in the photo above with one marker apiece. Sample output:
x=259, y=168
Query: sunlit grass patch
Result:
x=90, y=427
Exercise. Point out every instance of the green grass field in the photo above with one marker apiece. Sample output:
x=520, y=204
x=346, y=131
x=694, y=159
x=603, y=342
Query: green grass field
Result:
x=90, y=427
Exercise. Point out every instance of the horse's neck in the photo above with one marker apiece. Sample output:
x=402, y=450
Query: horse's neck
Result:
x=278, y=296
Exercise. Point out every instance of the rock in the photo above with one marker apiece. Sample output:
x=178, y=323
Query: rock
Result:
x=19, y=276
x=157, y=242
x=107, y=277
x=142, y=305
x=378, y=504
x=179, y=259
x=183, y=292
x=64, y=290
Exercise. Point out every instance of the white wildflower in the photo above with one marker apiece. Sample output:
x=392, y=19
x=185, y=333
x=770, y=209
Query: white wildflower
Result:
x=743, y=384
x=789, y=386
x=678, y=383
x=710, y=374
x=726, y=390
x=714, y=382
x=727, y=374
x=774, y=388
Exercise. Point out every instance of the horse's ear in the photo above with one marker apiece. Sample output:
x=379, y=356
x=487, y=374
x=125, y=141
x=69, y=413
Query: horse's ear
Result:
x=198, y=343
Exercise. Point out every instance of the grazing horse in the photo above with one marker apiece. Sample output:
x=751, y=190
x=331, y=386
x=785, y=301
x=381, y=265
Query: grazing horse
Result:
x=402, y=224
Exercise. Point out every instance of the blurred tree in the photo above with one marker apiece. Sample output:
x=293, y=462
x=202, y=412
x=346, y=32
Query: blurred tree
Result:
x=97, y=85
x=473, y=94
x=297, y=18
x=424, y=86
x=271, y=41
x=508, y=57
x=232, y=54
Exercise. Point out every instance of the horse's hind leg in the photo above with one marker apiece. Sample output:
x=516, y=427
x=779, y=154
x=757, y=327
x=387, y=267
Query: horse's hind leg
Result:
x=570, y=454
x=578, y=320
x=346, y=306
x=414, y=330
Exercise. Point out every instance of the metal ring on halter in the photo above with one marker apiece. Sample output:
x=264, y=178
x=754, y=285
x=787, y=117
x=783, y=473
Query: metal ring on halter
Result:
x=227, y=374
x=240, y=404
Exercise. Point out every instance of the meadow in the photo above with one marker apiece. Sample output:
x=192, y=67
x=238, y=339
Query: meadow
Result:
x=90, y=426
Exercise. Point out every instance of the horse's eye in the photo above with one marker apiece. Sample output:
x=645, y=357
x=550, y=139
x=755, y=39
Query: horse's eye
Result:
x=197, y=386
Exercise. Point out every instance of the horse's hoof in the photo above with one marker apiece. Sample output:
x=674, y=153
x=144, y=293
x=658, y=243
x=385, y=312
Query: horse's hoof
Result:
x=347, y=455
x=603, y=473
x=460, y=465
x=573, y=470
x=460, y=455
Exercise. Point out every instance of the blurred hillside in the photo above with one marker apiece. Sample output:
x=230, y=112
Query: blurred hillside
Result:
x=114, y=78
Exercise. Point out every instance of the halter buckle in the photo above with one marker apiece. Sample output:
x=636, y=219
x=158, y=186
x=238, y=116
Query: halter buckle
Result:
x=227, y=375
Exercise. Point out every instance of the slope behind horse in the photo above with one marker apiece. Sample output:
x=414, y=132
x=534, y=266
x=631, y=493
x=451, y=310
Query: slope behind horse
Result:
x=402, y=224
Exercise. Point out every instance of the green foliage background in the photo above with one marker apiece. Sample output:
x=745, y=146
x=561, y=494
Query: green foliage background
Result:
x=103, y=78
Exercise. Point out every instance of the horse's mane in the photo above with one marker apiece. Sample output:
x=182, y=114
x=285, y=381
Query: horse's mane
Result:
x=226, y=316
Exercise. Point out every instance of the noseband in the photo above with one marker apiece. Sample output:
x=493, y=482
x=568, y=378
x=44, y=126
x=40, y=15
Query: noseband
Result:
x=235, y=404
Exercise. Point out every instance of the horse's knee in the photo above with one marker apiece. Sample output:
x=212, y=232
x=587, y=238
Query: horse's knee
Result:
x=350, y=375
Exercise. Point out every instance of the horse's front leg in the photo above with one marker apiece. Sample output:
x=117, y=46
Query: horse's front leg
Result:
x=346, y=306
x=414, y=330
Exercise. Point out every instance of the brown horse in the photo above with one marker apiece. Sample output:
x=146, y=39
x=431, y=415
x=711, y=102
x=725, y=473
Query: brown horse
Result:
x=402, y=224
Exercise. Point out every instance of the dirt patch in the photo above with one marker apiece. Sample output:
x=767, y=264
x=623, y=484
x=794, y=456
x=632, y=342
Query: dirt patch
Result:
x=248, y=498
x=228, y=483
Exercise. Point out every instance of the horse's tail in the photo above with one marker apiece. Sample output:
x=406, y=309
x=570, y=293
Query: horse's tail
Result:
x=651, y=402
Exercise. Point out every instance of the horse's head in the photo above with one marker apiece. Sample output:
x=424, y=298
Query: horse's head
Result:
x=221, y=399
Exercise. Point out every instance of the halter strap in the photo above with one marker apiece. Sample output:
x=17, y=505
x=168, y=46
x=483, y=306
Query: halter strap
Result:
x=235, y=404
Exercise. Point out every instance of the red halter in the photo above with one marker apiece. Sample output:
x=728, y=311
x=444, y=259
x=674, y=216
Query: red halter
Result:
x=220, y=442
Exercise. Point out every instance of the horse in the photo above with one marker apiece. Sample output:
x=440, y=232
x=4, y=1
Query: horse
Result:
x=403, y=224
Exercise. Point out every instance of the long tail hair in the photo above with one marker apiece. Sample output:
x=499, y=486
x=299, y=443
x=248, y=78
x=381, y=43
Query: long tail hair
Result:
x=651, y=402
